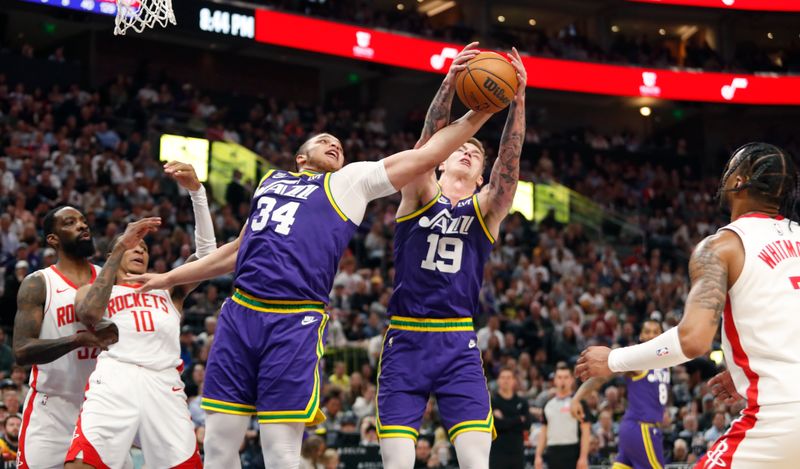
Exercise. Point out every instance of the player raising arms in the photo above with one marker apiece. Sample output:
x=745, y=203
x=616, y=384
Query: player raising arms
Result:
x=271, y=333
x=641, y=443
x=48, y=336
x=442, y=241
x=749, y=274
x=136, y=390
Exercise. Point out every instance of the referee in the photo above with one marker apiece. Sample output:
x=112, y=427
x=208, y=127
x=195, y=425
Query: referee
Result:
x=564, y=439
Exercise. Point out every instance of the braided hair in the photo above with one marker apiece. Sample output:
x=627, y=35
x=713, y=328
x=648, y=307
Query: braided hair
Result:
x=771, y=176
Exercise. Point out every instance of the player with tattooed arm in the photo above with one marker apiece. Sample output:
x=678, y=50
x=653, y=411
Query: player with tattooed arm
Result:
x=270, y=337
x=444, y=235
x=748, y=275
x=136, y=392
x=48, y=336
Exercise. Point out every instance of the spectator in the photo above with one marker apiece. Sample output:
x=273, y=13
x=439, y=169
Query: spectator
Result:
x=340, y=378
x=10, y=439
x=235, y=193
x=717, y=430
x=511, y=419
x=6, y=356
x=311, y=452
x=490, y=330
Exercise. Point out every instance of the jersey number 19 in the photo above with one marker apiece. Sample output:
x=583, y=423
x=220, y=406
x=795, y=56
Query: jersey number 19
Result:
x=449, y=252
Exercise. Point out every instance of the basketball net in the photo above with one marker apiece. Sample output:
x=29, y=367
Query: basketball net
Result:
x=139, y=15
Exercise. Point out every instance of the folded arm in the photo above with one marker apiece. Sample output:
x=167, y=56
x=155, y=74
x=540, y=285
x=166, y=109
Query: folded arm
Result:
x=29, y=349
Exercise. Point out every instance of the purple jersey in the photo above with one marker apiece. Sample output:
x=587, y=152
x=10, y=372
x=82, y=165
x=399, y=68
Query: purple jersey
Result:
x=440, y=251
x=294, y=238
x=648, y=393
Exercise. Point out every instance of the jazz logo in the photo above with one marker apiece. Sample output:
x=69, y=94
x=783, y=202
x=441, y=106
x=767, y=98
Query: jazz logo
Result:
x=729, y=90
x=437, y=60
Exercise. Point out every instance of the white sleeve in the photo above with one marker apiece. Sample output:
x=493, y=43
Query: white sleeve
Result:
x=355, y=185
x=204, y=239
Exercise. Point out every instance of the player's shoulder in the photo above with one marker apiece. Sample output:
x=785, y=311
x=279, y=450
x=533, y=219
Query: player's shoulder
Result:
x=722, y=244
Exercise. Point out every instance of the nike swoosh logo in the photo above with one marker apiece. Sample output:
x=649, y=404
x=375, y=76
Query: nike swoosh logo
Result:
x=308, y=320
x=62, y=291
x=176, y=389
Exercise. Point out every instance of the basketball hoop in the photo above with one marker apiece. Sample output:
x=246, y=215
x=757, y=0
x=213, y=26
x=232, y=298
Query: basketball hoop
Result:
x=139, y=15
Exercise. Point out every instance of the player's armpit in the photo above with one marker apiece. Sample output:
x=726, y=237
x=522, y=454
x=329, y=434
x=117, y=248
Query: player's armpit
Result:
x=715, y=261
x=28, y=348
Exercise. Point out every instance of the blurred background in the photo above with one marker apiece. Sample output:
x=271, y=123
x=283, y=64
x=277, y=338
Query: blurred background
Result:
x=633, y=110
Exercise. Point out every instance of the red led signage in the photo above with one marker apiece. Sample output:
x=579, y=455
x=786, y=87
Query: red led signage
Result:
x=760, y=5
x=405, y=51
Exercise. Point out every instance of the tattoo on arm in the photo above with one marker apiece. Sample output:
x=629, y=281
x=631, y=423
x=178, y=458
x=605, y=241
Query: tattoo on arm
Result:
x=438, y=116
x=505, y=172
x=93, y=307
x=29, y=349
x=709, y=275
x=590, y=386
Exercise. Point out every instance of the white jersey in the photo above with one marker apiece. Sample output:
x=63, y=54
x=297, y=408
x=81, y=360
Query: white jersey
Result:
x=761, y=326
x=149, y=328
x=66, y=376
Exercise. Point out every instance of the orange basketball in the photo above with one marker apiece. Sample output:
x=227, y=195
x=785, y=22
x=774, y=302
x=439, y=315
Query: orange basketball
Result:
x=488, y=84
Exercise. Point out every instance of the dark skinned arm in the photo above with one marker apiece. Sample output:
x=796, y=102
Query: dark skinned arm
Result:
x=29, y=349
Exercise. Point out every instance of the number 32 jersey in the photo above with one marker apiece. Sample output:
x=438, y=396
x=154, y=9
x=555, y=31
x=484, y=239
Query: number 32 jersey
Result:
x=440, y=253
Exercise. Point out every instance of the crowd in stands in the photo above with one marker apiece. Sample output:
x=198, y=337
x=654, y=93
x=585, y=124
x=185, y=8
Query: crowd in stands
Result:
x=568, y=42
x=550, y=289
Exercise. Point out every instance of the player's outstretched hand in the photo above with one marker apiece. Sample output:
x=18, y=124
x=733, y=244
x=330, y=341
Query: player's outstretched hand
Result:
x=136, y=231
x=460, y=61
x=522, y=75
x=149, y=282
x=593, y=363
x=723, y=389
x=101, y=338
x=184, y=173
x=576, y=409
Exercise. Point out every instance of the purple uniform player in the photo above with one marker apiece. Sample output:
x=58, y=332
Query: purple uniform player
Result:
x=641, y=444
x=442, y=241
x=270, y=336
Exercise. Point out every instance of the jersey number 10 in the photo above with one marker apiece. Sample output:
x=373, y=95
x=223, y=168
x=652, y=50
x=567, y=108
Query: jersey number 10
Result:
x=144, y=321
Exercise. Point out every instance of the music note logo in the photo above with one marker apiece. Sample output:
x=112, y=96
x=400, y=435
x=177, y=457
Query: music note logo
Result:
x=437, y=60
x=362, y=47
x=729, y=90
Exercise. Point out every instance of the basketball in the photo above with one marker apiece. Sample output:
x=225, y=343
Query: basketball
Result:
x=488, y=83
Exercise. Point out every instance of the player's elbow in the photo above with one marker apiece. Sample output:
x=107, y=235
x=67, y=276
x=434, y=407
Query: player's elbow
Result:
x=21, y=356
x=88, y=317
x=694, y=342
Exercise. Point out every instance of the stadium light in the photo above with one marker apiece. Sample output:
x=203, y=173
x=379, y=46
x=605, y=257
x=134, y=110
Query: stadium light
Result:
x=614, y=28
x=401, y=7
x=532, y=22
x=501, y=19
x=645, y=111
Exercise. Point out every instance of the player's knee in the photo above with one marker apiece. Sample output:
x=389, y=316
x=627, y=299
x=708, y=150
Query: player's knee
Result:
x=398, y=453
